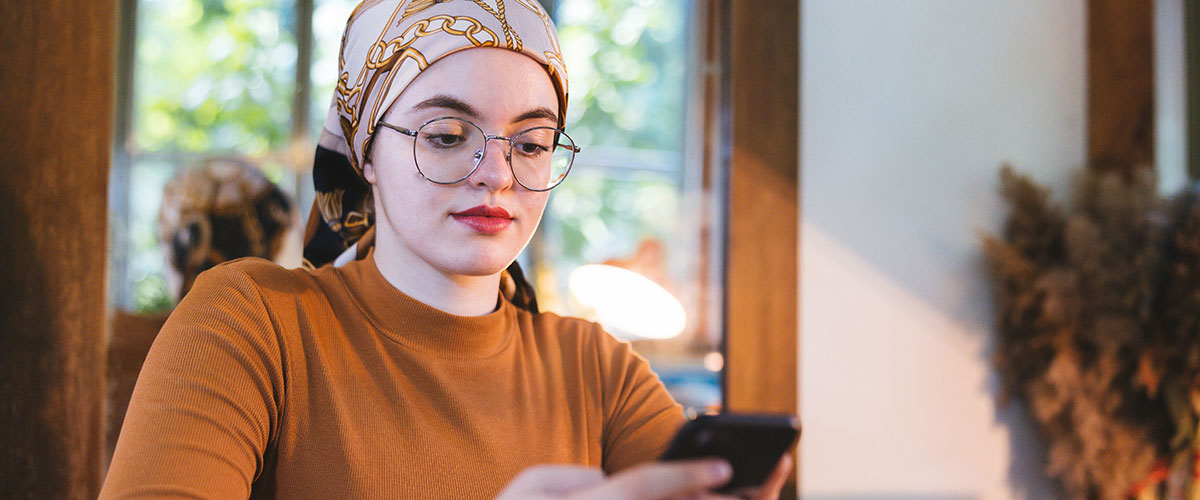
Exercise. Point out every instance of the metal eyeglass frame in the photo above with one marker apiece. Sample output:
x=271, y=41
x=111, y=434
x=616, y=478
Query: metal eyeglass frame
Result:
x=487, y=137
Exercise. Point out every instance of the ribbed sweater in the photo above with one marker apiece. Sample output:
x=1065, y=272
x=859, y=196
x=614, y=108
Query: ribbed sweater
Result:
x=329, y=384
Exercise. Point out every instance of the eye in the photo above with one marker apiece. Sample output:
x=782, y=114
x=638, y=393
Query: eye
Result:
x=443, y=140
x=530, y=148
x=534, y=142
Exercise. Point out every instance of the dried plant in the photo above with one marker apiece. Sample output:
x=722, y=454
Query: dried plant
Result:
x=1098, y=321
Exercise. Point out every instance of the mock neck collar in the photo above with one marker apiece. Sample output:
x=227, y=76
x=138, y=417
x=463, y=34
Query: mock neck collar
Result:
x=422, y=327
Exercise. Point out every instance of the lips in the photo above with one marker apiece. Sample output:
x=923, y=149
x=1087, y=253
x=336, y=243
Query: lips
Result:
x=484, y=219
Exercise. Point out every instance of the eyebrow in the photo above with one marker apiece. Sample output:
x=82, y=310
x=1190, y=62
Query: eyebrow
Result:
x=544, y=113
x=447, y=102
x=455, y=104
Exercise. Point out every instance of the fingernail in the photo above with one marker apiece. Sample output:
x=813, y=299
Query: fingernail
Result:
x=719, y=470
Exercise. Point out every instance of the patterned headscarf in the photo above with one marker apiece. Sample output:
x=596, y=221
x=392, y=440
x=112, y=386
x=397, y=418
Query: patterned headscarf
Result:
x=387, y=43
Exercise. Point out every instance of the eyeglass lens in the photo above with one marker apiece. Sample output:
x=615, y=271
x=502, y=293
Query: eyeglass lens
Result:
x=447, y=150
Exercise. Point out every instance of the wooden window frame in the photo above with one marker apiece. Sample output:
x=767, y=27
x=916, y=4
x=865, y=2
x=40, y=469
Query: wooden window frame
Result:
x=755, y=107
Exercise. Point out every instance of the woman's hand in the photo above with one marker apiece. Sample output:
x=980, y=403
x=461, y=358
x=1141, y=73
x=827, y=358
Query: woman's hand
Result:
x=774, y=483
x=651, y=481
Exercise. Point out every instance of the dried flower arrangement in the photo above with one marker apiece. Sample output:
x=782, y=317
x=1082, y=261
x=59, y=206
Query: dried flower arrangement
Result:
x=1098, y=326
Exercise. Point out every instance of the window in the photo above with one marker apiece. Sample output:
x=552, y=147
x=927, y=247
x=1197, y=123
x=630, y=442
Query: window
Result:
x=636, y=196
x=214, y=79
x=252, y=79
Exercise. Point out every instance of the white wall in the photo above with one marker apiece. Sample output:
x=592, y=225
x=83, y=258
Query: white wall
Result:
x=1170, y=96
x=908, y=110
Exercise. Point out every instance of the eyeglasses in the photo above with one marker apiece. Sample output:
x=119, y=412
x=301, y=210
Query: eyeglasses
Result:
x=447, y=150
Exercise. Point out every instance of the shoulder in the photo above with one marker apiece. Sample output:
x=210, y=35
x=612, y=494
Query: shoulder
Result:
x=566, y=324
x=580, y=334
x=567, y=328
x=255, y=274
x=257, y=270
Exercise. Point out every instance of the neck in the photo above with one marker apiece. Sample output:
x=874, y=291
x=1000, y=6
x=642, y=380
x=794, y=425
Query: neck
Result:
x=453, y=293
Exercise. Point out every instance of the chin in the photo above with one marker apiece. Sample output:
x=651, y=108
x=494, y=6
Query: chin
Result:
x=482, y=265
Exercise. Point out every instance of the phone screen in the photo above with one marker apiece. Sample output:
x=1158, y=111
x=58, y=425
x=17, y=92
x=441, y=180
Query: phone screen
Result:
x=751, y=443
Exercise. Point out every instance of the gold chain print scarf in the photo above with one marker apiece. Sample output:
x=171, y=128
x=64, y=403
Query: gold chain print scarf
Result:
x=387, y=43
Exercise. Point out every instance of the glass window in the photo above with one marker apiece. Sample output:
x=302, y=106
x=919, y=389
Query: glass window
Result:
x=253, y=79
x=216, y=78
x=632, y=200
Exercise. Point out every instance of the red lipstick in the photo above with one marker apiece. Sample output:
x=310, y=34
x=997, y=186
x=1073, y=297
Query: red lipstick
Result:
x=484, y=219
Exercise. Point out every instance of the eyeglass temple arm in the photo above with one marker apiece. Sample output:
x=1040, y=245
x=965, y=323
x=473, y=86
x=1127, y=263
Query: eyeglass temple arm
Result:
x=410, y=133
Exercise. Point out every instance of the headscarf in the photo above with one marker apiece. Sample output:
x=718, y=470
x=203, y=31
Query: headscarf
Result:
x=387, y=43
x=220, y=210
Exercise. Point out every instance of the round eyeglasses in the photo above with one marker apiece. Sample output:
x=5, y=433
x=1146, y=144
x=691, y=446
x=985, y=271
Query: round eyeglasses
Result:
x=447, y=150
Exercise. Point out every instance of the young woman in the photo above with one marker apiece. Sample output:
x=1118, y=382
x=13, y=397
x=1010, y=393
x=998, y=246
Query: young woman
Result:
x=416, y=365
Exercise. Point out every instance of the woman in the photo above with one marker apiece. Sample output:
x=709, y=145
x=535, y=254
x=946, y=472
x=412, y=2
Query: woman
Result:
x=419, y=368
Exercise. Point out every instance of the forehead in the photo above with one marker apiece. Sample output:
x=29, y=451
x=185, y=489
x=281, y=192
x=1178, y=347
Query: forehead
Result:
x=498, y=83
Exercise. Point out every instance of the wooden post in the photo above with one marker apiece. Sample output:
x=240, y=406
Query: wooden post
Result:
x=1120, y=84
x=761, y=281
x=57, y=95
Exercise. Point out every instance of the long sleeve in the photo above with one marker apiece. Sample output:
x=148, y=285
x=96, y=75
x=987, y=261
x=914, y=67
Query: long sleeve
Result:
x=207, y=400
x=640, y=415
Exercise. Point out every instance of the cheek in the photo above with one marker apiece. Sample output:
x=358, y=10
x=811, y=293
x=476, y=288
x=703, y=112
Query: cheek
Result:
x=535, y=207
x=400, y=196
x=541, y=205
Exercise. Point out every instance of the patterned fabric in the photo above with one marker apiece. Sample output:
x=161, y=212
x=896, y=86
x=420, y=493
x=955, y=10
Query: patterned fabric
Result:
x=387, y=43
x=220, y=210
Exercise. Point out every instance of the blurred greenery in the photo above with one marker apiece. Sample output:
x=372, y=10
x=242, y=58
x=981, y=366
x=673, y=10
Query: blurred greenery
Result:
x=626, y=64
x=214, y=75
x=329, y=20
x=602, y=216
x=146, y=263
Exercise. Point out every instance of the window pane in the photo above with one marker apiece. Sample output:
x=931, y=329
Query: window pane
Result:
x=627, y=63
x=147, y=282
x=625, y=203
x=599, y=216
x=214, y=75
x=329, y=20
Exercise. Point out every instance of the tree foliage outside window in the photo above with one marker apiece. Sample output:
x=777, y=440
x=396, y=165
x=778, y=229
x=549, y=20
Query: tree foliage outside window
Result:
x=214, y=75
x=211, y=78
x=627, y=63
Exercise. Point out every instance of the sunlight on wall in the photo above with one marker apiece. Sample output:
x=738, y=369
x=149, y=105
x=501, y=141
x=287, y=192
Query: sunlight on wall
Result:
x=908, y=111
x=897, y=397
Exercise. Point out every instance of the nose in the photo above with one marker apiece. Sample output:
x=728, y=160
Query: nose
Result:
x=493, y=171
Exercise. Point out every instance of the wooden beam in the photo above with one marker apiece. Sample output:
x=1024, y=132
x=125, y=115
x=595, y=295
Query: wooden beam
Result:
x=57, y=132
x=762, y=214
x=1120, y=84
x=763, y=184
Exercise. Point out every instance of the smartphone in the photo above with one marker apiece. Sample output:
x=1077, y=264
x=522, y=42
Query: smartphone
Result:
x=751, y=443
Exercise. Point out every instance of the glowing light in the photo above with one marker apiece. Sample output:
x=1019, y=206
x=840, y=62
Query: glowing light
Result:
x=630, y=306
x=714, y=361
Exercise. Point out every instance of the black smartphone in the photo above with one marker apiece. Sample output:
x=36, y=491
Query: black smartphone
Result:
x=751, y=443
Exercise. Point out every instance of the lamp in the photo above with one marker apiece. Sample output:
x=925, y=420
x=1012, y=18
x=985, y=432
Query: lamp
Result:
x=630, y=306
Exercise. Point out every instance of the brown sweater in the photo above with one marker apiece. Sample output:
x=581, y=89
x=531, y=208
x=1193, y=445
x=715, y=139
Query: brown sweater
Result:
x=274, y=383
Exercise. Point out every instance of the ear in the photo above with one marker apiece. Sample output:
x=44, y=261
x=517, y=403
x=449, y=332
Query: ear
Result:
x=369, y=171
